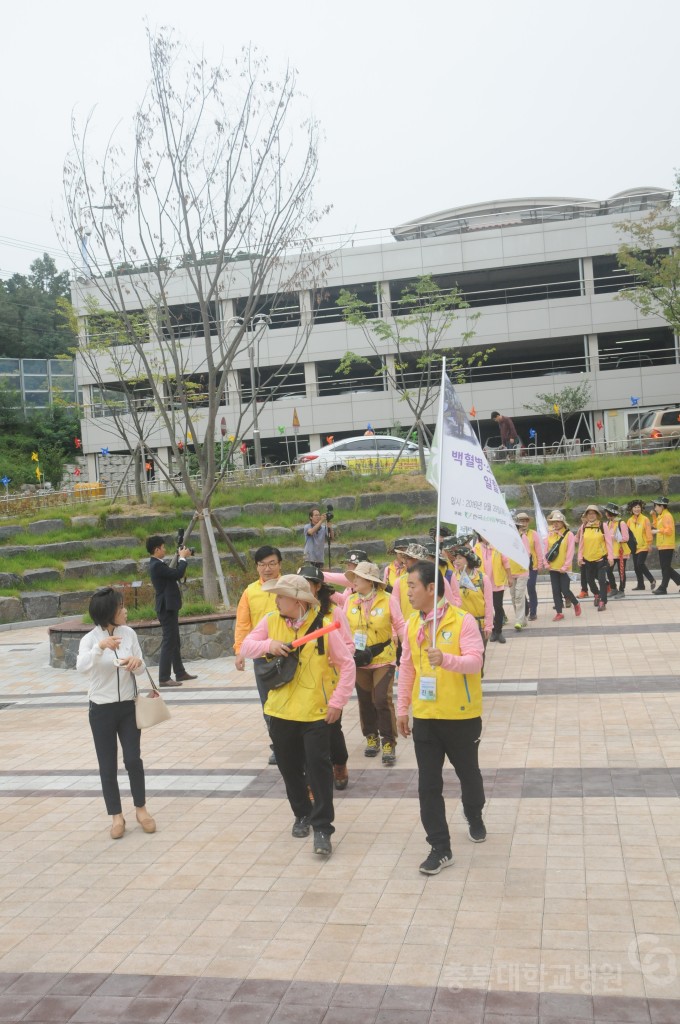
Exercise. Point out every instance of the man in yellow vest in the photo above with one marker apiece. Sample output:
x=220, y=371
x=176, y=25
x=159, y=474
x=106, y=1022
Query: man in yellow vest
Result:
x=302, y=710
x=443, y=683
x=255, y=603
x=663, y=528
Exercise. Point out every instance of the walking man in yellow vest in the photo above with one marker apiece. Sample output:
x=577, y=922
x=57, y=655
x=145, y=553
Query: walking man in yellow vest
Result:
x=302, y=710
x=443, y=684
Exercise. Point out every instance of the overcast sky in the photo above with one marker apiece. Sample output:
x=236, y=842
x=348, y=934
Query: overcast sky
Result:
x=424, y=106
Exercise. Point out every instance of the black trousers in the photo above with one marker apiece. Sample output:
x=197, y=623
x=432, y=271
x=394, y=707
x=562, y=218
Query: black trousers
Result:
x=640, y=566
x=433, y=740
x=561, y=589
x=110, y=723
x=620, y=566
x=597, y=577
x=668, y=573
x=339, y=752
x=170, y=656
x=498, y=611
x=304, y=759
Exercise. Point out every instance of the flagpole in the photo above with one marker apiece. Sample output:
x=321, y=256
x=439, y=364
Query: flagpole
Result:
x=440, y=456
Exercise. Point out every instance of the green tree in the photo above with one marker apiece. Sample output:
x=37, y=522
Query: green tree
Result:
x=418, y=335
x=560, y=405
x=652, y=256
x=30, y=324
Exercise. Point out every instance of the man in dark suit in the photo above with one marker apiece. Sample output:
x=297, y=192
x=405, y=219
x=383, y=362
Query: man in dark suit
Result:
x=165, y=582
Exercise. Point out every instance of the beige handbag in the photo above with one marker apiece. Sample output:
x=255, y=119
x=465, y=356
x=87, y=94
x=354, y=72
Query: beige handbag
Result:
x=150, y=711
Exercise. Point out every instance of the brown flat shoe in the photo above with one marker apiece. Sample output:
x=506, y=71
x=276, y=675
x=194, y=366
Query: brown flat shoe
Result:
x=170, y=682
x=148, y=824
x=118, y=831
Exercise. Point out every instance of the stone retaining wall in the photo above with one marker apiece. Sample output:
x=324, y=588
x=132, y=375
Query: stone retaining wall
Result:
x=203, y=637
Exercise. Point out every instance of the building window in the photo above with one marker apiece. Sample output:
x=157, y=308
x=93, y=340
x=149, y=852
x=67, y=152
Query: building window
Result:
x=186, y=321
x=636, y=349
x=281, y=310
x=281, y=383
x=327, y=310
x=365, y=377
x=610, y=276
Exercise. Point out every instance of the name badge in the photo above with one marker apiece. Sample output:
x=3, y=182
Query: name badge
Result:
x=360, y=641
x=428, y=687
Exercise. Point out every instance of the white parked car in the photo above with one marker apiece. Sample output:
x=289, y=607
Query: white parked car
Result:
x=360, y=455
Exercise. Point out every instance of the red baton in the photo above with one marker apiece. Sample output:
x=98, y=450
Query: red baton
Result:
x=315, y=635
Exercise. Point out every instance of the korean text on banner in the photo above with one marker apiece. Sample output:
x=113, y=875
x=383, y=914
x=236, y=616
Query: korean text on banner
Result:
x=468, y=493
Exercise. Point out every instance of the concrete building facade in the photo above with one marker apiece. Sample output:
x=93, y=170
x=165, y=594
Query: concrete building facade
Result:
x=541, y=273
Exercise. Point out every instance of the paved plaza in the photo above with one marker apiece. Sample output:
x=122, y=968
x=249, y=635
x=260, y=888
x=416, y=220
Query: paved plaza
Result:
x=568, y=913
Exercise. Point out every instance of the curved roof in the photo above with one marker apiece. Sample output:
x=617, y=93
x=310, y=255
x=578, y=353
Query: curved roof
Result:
x=536, y=209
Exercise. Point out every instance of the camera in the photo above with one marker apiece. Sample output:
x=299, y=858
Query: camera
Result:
x=329, y=513
x=180, y=541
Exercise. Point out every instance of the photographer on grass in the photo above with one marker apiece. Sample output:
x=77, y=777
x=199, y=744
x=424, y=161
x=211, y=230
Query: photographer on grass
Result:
x=318, y=533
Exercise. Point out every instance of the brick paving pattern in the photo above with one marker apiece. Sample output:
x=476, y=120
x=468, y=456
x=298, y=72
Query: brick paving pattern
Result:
x=568, y=913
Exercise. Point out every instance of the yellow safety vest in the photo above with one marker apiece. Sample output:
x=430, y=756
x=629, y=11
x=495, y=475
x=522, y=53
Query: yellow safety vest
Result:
x=473, y=600
x=594, y=546
x=499, y=576
x=378, y=625
x=261, y=602
x=393, y=574
x=404, y=603
x=457, y=695
x=559, y=562
x=305, y=698
x=638, y=527
x=663, y=522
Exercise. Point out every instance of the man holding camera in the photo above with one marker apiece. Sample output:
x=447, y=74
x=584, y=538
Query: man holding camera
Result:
x=317, y=532
x=165, y=580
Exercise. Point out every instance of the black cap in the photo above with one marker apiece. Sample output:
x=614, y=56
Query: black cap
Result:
x=311, y=572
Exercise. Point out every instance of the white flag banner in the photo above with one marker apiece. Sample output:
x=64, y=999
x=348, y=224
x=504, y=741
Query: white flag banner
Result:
x=542, y=527
x=469, y=496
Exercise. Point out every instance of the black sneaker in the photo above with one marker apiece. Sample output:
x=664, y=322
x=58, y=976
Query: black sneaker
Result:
x=322, y=844
x=500, y=638
x=272, y=758
x=301, y=828
x=437, y=860
x=477, y=830
x=658, y=592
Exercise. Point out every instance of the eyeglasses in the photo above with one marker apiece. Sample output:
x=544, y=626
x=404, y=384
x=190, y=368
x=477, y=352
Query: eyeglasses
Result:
x=268, y=565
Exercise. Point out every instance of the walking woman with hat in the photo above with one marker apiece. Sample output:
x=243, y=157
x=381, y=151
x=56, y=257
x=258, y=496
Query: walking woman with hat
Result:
x=559, y=555
x=475, y=588
x=641, y=528
x=522, y=519
x=368, y=612
x=595, y=552
x=663, y=527
x=302, y=710
x=619, y=536
x=497, y=568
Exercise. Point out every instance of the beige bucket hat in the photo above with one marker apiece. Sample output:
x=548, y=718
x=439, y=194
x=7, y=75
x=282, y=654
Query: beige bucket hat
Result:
x=557, y=517
x=293, y=586
x=366, y=571
x=594, y=508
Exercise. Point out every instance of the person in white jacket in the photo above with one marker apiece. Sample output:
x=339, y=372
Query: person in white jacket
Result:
x=108, y=656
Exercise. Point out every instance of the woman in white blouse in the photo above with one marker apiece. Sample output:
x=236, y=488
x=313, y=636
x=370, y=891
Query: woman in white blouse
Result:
x=108, y=656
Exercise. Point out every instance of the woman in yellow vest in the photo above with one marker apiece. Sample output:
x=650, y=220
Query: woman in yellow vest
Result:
x=559, y=545
x=475, y=588
x=663, y=528
x=619, y=535
x=302, y=709
x=497, y=568
x=442, y=682
x=595, y=553
x=254, y=604
x=641, y=528
x=396, y=569
x=368, y=613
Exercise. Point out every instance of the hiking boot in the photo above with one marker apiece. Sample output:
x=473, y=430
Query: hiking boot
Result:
x=619, y=594
x=638, y=588
x=301, y=828
x=577, y=609
x=272, y=758
x=372, y=746
x=500, y=638
x=532, y=618
x=340, y=776
x=476, y=829
x=596, y=602
x=322, y=844
x=583, y=593
x=558, y=617
x=389, y=754
x=493, y=638
x=602, y=607
x=519, y=627
x=437, y=860
x=567, y=602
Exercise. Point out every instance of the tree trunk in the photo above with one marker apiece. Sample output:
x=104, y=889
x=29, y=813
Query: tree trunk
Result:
x=421, y=448
x=210, y=589
x=139, y=493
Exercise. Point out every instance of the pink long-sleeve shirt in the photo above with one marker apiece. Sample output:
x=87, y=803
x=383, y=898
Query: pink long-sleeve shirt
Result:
x=257, y=643
x=451, y=593
x=568, y=554
x=468, y=662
